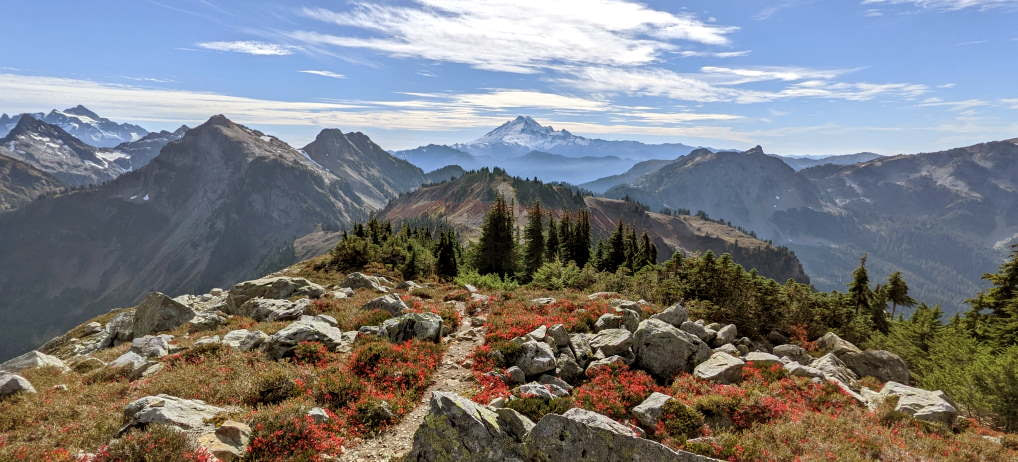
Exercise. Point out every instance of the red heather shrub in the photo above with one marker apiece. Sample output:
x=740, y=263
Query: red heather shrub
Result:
x=311, y=354
x=756, y=374
x=491, y=387
x=156, y=443
x=396, y=369
x=368, y=318
x=451, y=317
x=800, y=336
x=512, y=319
x=290, y=436
x=615, y=389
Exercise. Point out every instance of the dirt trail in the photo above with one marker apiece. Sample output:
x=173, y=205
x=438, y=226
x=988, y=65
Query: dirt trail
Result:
x=451, y=377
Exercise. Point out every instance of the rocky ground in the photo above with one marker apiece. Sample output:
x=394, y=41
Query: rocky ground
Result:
x=308, y=365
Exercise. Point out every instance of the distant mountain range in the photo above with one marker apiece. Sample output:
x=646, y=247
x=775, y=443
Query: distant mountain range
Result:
x=799, y=162
x=463, y=203
x=84, y=125
x=222, y=204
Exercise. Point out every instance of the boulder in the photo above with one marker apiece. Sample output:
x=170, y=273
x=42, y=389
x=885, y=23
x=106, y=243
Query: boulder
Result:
x=568, y=369
x=698, y=330
x=421, y=326
x=364, y=281
x=547, y=379
x=762, y=360
x=559, y=336
x=229, y=442
x=32, y=360
x=831, y=343
x=728, y=348
x=582, y=435
x=245, y=340
x=13, y=383
x=793, y=352
x=305, y=329
x=603, y=362
x=152, y=346
x=391, y=303
x=648, y=413
x=630, y=318
x=612, y=341
x=205, y=320
x=608, y=321
x=208, y=340
x=515, y=376
x=884, y=365
x=157, y=312
x=409, y=285
x=799, y=370
x=269, y=309
x=539, y=390
x=834, y=368
x=535, y=358
x=515, y=424
x=343, y=292
x=458, y=429
x=602, y=295
x=930, y=406
x=185, y=414
x=318, y=414
x=120, y=328
x=580, y=344
x=674, y=315
x=720, y=368
x=275, y=287
x=134, y=363
x=543, y=301
x=664, y=351
x=725, y=335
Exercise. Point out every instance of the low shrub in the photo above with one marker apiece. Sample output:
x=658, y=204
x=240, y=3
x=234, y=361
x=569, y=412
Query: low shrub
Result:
x=680, y=421
x=199, y=353
x=311, y=353
x=487, y=281
x=371, y=414
x=287, y=434
x=336, y=388
x=535, y=407
x=615, y=389
x=157, y=443
x=271, y=387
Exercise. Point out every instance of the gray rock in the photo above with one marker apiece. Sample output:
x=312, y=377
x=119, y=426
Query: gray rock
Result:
x=421, y=326
x=269, y=309
x=725, y=335
x=630, y=318
x=762, y=360
x=696, y=329
x=648, y=413
x=318, y=415
x=409, y=285
x=208, y=340
x=568, y=369
x=800, y=370
x=884, y=365
x=364, y=281
x=344, y=292
x=604, y=362
x=152, y=346
x=539, y=390
x=205, y=320
x=612, y=341
x=582, y=435
x=674, y=315
x=834, y=368
x=228, y=443
x=185, y=414
x=390, y=303
x=276, y=287
x=543, y=301
x=134, y=363
x=157, y=312
x=728, y=348
x=13, y=383
x=540, y=334
x=559, y=335
x=536, y=358
x=457, y=429
x=32, y=360
x=547, y=379
x=245, y=340
x=515, y=424
x=608, y=321
x=831, y=343
x=120, y=328
x=793, y=352
x=601, y=295
x=931, y=406
x=480, y=298
x=720, y=368
x=664, y=351
x=580, y=344
x=305, y=329
x=515, y=376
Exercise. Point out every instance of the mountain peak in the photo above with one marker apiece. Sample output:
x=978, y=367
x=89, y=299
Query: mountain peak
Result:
x=756, y=150
x=82, y=111
x=219, y=120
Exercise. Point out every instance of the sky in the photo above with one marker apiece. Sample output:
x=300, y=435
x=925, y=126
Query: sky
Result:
x=799, y=77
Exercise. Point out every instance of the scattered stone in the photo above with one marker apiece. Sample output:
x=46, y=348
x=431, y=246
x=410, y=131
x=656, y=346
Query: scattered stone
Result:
x=612, y=341
x=391, y=303
x=648, y=413
x=132, y=362
x=208, y=340
x=152, y=346
x=608, y=321
x=696, y=329
x=776, y=338
x=720, y=368
x=884, y=365
x=269, y=309
x=834, y=368
x=799, y=370
x=546, y=379
x=603, y=362
x=515, y=376
x=13, y=383
x=675, y=315
x=663, y=350
x=60, y=387
x=32, y=360
x=761, y=359
x=831, y=343
x=480, y=298
x=318, y=415
x=457, y=428
x=515, y=424
x=245, y=340
x=930, y=406
x=725, y=335
x=543, y=301
x=728, y=348
x=205, y=320
x=630, y=318
x=364, y=281
x=539, y=390
x=169, y=410
x=157, y=312
x=793, y=352
x=229, y=442
x=536, y=358
x=602, y=295
x=305, y=329
x=329, y=319
x=421, y=326
x=580, y=344
x=277, y=287
x=344, y=292
x=568, y=369
x=559, y=335
x=470, y=288
x=409, y=285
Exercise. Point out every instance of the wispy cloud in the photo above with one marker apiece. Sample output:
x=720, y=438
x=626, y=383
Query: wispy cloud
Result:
x=948, y=5
x=249, y=47
x=972, y=42
x=954, y=105
x=1011, y=102
x=148, y=79
x=329, y=74
x=520, y=36
x=712, y=54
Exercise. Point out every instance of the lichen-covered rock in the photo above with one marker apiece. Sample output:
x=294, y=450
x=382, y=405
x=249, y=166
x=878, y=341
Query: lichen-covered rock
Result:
x=276, y=287
x=726, y=334
x=931, y=406
x=648, y=413
x=229, y=442
x=664, y=351
x=834, y=368
x=420, y=326
x=540, y=390
x=305, y=329
x=761, y=360
x=32, y=360
x=674, y=315
x=409, y=285
x=152, y=346
x=535, y=358
x=582, y=435
x=568, y=369
x=13, y=383
x=794, y=352
x=720, y=368
x=157, y=312
x=630, y=318
x=245, y=340
x=698, y=330
x=269, y=309
x=728, y=348
x=831, y=343
x=457, y=429
x=884, y=365
x=608, y=321
x=799, y=370
x=185, y=414
x=558, y=335
x=580, y=345
x=391, y=303
x=612, y=342
x=515, y=424
x=364, y=281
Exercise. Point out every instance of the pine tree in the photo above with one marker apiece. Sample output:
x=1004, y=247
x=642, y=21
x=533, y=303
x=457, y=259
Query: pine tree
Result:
x=896, y=292
x=616, y=249
x=446, y=266
x=497, y=245
x=565, y=240
x=581, y=239
x=551, y=245
x=862, y=298
x=534, y=234
x=632, y=248
x=994, y=313
x=646, y=253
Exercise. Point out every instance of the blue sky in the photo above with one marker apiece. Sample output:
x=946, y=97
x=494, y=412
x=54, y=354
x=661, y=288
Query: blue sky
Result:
x=796, y=76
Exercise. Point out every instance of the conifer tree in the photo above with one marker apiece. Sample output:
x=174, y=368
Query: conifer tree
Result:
x=446, y=266
x=616, y=249
x=631, y=249
x=862, y=298
x=896, y=292
x=994, y=313
x=565, y=240
x=551, y=245
x=497, y=245
x=581, y=239
x=533, y=257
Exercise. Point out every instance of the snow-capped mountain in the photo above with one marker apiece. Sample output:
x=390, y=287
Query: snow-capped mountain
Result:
x=51, y=149
x=524, y=134
x=83, y=124
x=133, y=155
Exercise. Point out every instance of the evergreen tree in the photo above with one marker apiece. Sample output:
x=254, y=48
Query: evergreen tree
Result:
x=581, y=239
x=994, y=313
x=631, y=249
x=616, y=249
x=446, y=266
x=565, y=240
x=551, y=245
x=896, y=292
x=862, y=297
x=534, y=234
x=497, y=246
x=646, y=254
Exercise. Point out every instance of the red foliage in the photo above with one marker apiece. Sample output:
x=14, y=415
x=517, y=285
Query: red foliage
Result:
x=615, y=389
x=296, y=438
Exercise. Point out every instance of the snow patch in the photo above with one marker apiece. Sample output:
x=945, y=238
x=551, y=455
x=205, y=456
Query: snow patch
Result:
x=146, y=197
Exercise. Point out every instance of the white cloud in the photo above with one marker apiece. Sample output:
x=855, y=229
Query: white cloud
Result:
x=760, y=74
x=948, y=5
x=329, y=74
x=519, y=36
x=711, y=54
x=677, y=117
x=972, y=42
x=503, y=99
x=1012, y=102
x=249, y=47
x=954, y=105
